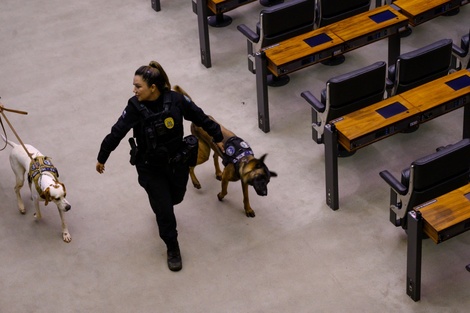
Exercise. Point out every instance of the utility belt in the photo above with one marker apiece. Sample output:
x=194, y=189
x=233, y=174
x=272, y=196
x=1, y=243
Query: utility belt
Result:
x=186, y=154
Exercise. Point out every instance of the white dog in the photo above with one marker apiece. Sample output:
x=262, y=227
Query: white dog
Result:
x=44, y=175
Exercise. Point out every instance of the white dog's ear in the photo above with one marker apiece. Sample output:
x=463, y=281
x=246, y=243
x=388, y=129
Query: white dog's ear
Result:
x=46, y=195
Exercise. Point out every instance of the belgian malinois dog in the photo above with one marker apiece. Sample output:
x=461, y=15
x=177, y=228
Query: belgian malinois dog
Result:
x=239, y=164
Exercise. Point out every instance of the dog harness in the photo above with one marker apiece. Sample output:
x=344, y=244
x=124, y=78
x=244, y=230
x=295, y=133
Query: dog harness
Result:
x=39, y=165
x=235, y=150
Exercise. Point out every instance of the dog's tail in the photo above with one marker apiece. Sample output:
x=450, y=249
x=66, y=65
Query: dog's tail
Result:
x=11, y=143
x=180, y=90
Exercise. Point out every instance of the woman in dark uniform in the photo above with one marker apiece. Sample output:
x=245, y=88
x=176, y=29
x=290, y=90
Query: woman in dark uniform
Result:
x=156, y=115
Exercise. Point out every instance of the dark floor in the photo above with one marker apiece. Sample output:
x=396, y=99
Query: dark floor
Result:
x=70, y=65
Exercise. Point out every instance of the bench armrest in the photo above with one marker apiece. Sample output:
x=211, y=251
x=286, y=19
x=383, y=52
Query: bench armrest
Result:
x=251, y=35
x=389, y=87
x=393, y=182
x=458, y=51
x=388, y=84
x=313, y=101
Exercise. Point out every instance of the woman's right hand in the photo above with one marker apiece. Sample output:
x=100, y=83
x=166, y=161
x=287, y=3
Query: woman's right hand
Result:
x=100, y=167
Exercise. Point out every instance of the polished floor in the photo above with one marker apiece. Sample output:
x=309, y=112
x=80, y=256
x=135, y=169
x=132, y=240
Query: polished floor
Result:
x=70, y=65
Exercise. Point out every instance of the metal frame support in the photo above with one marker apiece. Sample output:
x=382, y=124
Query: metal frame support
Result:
x=466, y=121
x=262, y=91
x=156, y=5
x=393, y=47
x=330, y=137
x=203, y=28
x=414, y=255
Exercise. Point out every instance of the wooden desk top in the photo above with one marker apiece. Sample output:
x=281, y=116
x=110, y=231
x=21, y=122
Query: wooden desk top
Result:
x=362, y=24
x=296, y=48
x=422, y=103
x=359, y=26
x=415, y=7
x=368, y=121
x=431, y=94
x=445, y=212
x=420, y=11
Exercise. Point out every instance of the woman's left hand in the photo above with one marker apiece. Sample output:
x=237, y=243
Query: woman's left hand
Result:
x=220, y=145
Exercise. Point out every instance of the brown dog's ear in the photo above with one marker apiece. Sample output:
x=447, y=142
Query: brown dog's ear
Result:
x=271, y=174
x=46, y=195
x=263, y=157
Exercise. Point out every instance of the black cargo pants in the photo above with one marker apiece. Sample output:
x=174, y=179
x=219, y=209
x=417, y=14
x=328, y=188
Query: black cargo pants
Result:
x=165, y=186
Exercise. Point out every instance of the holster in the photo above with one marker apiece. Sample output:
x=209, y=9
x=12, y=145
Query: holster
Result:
x=188, y=152
x=133, y=152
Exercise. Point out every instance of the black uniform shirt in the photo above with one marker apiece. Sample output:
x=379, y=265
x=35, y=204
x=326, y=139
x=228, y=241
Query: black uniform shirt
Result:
x=182, y=107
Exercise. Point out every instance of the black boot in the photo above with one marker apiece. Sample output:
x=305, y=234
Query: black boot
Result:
x=174, y=256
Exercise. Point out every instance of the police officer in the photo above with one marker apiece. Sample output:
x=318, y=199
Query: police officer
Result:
x=156, y=115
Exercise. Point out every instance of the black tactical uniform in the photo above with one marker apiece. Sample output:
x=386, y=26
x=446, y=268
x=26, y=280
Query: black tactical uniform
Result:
x=158, y=129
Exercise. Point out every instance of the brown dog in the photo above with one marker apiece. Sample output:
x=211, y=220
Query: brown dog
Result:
x=240, y=164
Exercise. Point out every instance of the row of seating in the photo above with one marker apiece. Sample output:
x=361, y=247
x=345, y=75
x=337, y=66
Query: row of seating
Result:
x=352, y=91
x=301, y=16
x=426, y=182
x=280, y=21
x=425, y=179
x=298, y=17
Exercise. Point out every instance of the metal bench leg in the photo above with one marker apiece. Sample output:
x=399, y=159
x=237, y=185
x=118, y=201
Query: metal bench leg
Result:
x=262, y=92
x=466, y=121
x=156, y=5
x=251, y=56
x=414, y=255
x=203, y=28
x=330, y=138
x=393, y=48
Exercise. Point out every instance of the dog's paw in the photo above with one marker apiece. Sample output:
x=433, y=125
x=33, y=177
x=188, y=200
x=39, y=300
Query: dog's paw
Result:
x=220, y=197
x=250, y=213
x=22, y=211
x=66, y=237
x=218, y=177
x=197, y=186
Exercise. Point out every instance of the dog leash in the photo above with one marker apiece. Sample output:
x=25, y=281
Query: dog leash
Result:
x=35, y=162
x=2, y=108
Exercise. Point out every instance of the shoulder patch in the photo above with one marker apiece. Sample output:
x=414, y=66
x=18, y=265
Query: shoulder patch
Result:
x=230, y=150
x=187, y=98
